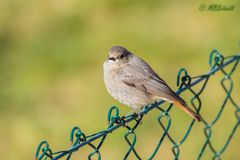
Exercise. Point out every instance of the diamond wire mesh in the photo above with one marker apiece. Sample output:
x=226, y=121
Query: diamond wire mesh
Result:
x=185, y=83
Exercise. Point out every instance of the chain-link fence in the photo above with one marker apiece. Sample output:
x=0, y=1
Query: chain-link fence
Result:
x=185, y=83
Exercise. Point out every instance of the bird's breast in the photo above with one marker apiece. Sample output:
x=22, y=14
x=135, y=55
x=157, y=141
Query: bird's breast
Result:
x=128, y=95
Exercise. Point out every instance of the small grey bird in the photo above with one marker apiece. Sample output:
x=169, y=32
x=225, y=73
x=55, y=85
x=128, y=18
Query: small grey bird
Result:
x=131, y=81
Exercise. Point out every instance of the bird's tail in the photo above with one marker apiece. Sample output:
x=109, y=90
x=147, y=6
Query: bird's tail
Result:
x=188, y=110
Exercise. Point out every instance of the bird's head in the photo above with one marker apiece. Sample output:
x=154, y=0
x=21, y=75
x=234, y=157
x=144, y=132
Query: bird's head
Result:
x=118, y=55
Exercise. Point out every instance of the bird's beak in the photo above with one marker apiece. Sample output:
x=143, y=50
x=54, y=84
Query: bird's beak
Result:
x=111, y=58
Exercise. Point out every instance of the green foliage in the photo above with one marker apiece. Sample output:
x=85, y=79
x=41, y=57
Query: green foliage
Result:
x=51, y=55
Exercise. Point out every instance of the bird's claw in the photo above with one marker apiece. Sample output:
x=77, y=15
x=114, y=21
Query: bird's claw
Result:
x=122, y=119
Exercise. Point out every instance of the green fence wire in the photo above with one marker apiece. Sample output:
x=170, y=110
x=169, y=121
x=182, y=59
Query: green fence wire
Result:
x=185, y=83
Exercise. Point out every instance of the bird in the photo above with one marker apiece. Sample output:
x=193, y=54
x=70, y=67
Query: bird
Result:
x=130, y=80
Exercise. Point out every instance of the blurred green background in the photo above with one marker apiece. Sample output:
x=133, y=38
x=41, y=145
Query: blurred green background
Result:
x=51, y=56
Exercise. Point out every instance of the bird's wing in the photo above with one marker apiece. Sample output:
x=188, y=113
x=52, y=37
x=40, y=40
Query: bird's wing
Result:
x=141, y=76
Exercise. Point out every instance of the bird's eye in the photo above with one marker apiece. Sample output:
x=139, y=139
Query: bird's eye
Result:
x=121, y=57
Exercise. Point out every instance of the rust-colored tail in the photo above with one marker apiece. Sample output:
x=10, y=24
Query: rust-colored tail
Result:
x=188, y=110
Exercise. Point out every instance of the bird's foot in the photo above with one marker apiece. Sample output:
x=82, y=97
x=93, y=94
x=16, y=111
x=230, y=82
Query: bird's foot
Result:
x=122, y=119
